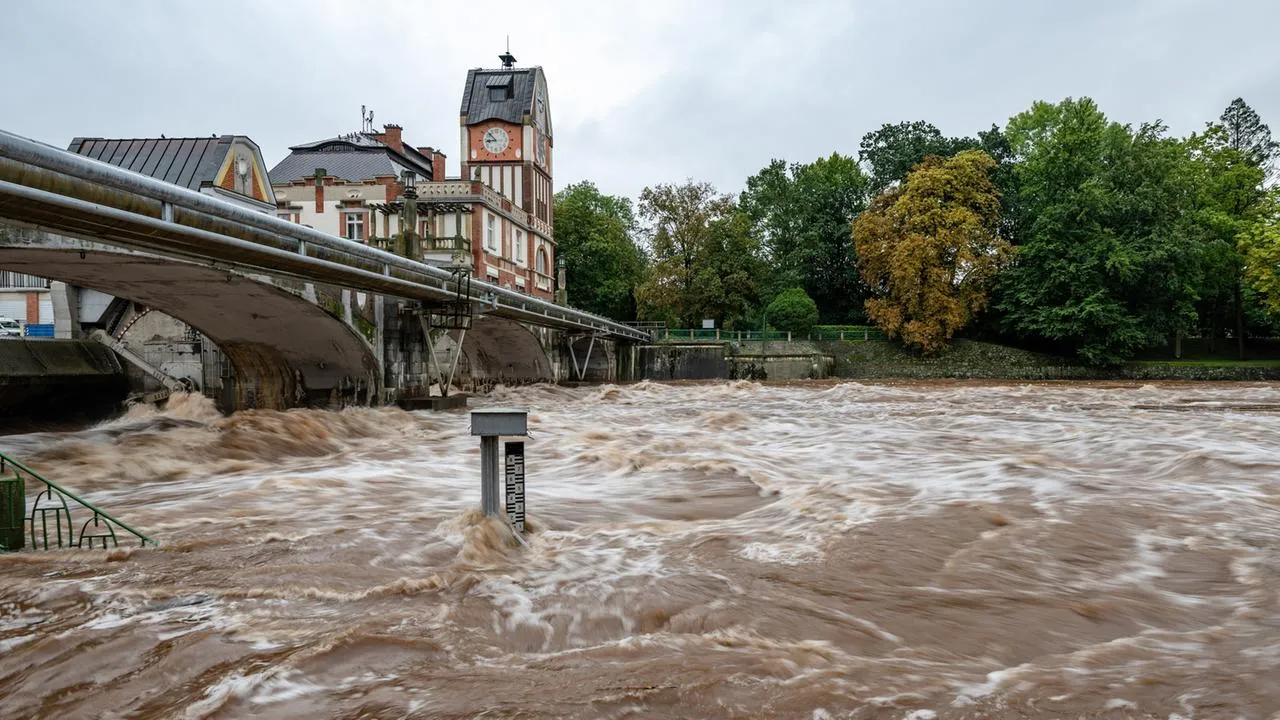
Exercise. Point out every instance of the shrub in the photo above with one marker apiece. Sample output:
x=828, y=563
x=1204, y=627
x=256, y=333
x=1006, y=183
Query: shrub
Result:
x=793, y=311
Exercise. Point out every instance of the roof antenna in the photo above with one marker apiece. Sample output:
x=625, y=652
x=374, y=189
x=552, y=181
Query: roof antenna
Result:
x=507, y=58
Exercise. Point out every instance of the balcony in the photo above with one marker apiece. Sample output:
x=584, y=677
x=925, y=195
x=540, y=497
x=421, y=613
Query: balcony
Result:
x=456, y=243
x=455, y=191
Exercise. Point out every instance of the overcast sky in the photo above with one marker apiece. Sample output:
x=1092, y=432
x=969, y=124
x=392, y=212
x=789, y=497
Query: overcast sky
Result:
x=640, y=92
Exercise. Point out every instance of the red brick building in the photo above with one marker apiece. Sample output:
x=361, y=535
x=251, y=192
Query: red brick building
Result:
x=496, y=216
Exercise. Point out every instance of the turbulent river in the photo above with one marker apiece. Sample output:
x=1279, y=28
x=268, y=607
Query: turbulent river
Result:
x=908, y=551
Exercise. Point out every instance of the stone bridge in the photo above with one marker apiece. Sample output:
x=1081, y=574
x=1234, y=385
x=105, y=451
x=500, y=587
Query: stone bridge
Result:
x=292, y=342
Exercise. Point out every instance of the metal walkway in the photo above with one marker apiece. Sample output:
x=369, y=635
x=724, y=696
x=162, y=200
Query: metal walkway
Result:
x=73, y=195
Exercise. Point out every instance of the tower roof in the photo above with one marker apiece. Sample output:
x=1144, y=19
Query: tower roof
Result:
x=479, y=105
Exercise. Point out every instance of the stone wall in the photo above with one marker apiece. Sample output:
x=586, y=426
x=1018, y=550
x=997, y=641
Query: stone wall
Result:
x=882, y=359
x=57, y=379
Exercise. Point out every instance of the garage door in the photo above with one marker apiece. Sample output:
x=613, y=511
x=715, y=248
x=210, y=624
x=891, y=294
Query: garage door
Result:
x=46, y=308
x=14, y=309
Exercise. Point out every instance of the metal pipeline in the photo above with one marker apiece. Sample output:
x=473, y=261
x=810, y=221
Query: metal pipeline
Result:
x=40, y=157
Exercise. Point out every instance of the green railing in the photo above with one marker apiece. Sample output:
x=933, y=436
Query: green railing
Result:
x=847, y=334
x=52, y=501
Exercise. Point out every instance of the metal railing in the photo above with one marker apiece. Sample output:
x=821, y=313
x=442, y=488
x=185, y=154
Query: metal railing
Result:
x=708, y=335
x=52, y=501
x=76, y=195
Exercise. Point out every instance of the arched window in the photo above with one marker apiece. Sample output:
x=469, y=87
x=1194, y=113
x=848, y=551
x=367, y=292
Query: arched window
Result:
x=542, y=261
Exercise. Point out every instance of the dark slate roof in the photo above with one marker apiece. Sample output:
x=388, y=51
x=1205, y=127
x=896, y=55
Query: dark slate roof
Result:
x=354, y=139
x=476, y=105
x=348, y=157
x=189, y=162
x=343, y=164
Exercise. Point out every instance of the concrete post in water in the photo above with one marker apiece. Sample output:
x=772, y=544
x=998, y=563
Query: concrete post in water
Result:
x=491, y=424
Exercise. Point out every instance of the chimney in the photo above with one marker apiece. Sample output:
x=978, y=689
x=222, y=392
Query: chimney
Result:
x=391, y=136
x=437, y=165
x=319, y=176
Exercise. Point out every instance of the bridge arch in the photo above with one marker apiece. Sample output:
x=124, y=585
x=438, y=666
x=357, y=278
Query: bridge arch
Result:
x=504, y=350
x=285, y=349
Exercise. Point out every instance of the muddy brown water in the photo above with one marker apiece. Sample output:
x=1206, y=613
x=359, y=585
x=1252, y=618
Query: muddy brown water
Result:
x=906, y=551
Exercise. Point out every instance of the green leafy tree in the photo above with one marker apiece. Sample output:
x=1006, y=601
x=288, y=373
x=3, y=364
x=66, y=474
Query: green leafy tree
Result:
x=1259, y=246
x=793, y=310
x=705, y=262
x=1108, y=262
x=801, y=215
x=1228, y=198
x=595, y=236
x=892, y=151
x=929, y=247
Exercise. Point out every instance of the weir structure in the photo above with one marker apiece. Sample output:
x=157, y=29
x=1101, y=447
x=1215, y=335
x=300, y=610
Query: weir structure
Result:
x=302, y=317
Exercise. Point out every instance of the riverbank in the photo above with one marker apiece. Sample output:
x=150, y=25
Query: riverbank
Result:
x=881, y=359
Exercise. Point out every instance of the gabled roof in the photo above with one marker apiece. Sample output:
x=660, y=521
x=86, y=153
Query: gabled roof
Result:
x=189, y=162
x=476, y=105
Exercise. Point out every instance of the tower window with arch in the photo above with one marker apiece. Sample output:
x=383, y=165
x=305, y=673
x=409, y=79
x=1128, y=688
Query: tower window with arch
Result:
x=541, y=263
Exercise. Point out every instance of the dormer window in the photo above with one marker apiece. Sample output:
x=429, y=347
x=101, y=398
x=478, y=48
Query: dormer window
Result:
x=500, y=88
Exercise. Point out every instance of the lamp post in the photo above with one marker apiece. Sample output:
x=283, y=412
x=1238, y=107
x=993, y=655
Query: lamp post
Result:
x=411, y=247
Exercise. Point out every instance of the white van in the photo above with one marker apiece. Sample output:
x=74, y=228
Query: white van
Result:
x=10, y=328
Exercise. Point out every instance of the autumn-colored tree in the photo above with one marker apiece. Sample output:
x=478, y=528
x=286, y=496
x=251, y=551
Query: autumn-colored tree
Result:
x=928, y=247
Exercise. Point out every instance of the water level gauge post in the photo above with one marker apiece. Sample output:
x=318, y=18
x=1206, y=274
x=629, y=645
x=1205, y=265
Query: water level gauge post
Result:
x=491, y=424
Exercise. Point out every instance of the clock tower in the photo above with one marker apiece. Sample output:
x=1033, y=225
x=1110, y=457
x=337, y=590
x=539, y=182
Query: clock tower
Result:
x=507, y=144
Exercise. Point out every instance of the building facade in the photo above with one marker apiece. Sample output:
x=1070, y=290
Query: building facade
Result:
x=494, y=218
x=25, y=298
x=351, y=185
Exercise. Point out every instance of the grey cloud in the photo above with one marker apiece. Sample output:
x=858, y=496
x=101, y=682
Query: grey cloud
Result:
x=709, y=90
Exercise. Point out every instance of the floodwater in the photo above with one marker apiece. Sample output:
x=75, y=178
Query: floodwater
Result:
x=909, y=551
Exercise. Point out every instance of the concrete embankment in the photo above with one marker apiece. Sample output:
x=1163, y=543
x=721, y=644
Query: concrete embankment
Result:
x=57, y=379
x=879, y=359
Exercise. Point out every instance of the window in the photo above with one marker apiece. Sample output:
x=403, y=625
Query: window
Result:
x=500, y=88
x=520, y=248
x=288, y=216
x=491, y=232
x=542, y=261
x=353, y=225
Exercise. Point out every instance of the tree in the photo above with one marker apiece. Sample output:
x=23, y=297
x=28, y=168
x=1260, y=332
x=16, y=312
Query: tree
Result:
x=1248, y=135
x=892, y=151
x=1228, y=199
x=929, y=247
x=705, y=263
x=792, y=310
x=595, y=236
x=729, y=272
x=801, y=215
x=1108, y=262
x=1259, y=246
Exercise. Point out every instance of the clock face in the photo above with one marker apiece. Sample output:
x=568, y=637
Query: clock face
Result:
x=496, y=140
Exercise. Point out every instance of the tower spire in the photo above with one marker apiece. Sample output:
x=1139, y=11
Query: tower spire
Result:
x=508, y=60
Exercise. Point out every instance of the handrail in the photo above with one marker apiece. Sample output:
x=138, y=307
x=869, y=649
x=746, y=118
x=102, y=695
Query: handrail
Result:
x=97, y=511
